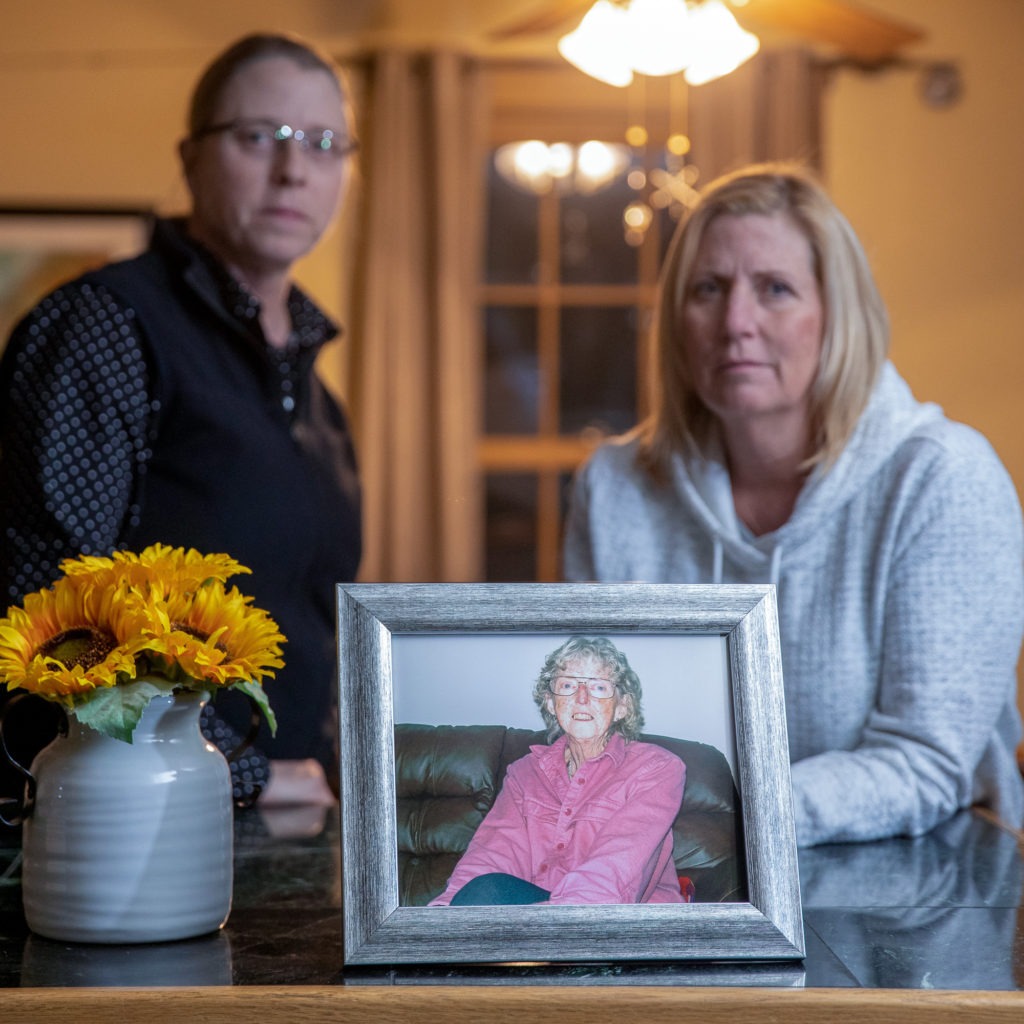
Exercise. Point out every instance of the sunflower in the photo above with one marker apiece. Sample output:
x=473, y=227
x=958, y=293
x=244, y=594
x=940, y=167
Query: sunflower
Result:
x=214, y=636
x=158, y=568
x=115, y=631
x=67, y=641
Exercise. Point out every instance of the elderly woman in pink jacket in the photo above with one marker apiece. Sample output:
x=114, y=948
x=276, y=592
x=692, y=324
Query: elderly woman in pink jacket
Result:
x=588, y=817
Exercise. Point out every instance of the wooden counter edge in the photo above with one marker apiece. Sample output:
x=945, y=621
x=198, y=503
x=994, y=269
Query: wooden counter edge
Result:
x=434, y=1004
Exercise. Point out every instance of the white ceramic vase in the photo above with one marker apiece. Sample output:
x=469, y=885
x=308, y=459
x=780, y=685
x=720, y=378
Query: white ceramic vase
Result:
x=130, y=842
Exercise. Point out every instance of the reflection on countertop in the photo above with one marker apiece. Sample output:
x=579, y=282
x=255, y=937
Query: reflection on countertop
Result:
x=941, y=911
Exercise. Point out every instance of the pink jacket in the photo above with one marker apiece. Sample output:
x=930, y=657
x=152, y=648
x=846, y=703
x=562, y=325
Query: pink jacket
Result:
x=603, y=837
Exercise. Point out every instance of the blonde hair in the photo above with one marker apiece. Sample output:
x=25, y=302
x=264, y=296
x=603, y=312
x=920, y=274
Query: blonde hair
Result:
x=855, y=339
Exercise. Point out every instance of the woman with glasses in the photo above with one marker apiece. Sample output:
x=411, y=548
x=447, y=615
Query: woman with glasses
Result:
x=587, y=818
x=172, y=398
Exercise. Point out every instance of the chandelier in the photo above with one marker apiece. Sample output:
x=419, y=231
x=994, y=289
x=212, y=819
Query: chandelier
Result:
x=618, y=38
x=615, y=40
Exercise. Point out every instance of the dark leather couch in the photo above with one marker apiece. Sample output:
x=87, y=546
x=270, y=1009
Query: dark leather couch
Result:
x=448, y=776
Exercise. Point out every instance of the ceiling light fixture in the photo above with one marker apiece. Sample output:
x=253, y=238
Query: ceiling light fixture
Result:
x=595, y=46
x=658, y=37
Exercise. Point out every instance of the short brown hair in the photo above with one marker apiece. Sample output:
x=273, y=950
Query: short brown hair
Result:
x=240, y=54
x=856, y=330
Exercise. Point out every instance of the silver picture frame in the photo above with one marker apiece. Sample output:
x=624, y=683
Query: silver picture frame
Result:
x=379, y=931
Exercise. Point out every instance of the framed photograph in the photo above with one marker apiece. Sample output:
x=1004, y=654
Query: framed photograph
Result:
x=447, y=689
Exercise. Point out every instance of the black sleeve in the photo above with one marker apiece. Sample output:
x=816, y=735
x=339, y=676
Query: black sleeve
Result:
x=75, y=413
x=74, y=417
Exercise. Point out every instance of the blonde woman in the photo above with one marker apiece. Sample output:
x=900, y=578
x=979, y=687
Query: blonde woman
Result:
x=783, y=447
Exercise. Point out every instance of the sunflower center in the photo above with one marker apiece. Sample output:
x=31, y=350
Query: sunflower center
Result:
x=84, y=646
x=182, y=627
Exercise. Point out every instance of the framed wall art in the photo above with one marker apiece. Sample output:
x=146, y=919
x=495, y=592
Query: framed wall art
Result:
x=42, y=247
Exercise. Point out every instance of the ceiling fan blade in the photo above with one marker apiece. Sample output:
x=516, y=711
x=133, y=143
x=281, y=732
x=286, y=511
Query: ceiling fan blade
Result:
x=856, y=32
x=556, y=14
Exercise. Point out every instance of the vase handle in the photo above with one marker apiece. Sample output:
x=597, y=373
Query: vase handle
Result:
x=24, y=807
x=255, y=720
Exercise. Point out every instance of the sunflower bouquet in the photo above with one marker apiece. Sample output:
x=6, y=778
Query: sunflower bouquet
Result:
x=113, y=633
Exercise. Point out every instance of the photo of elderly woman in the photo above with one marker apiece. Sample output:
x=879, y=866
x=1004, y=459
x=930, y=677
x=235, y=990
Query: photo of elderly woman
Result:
x=588, y=817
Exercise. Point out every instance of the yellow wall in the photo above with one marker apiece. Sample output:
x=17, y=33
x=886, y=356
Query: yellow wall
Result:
x=936, y=197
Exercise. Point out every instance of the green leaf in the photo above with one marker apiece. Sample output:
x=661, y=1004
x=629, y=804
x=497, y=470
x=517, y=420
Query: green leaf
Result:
x=256, y=693
x=115, y=711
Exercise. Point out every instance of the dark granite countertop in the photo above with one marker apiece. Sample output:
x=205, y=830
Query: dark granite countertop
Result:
x=939, y=912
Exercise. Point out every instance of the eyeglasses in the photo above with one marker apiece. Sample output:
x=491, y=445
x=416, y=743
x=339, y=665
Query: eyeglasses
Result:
x=566, y=686
x=262, y=138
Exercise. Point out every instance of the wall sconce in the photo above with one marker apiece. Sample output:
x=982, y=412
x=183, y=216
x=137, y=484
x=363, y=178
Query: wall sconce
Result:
x=658, y=37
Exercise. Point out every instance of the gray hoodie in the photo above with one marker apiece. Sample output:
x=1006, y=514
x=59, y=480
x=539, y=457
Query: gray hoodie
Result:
x=900, y=581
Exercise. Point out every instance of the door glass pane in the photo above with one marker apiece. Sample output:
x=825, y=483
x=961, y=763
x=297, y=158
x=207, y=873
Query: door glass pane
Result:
x=593, y=243
x=512, y=374
x=667, y=221
x=511, y=533
x=668, y=214
x=512, y=233
x=598, y=369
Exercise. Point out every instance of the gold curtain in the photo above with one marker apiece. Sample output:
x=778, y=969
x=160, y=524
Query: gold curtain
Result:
x=415, y=379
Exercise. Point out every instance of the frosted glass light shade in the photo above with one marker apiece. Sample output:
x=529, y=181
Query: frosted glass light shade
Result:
x=720, y=45
x=658, y=37
x=597, y=47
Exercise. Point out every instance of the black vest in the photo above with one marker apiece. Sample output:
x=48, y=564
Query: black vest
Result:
x=230, y=469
